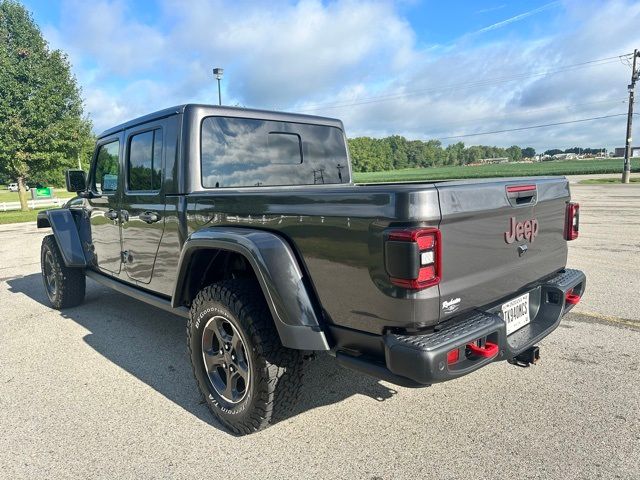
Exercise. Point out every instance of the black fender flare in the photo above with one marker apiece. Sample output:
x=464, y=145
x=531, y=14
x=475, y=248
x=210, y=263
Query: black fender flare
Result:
x=278, y=273
x=65, y=231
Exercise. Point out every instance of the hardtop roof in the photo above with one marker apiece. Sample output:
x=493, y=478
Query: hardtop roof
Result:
x=224, y=111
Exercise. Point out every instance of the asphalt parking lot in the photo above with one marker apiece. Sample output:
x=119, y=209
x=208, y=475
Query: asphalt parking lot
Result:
x=105, y=390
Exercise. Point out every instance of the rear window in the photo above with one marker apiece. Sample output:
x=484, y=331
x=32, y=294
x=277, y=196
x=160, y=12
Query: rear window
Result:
x=241, y=152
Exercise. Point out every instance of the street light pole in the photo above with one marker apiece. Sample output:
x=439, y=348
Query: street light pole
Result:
x=217, y=72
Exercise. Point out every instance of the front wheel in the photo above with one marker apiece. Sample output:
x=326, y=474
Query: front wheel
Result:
x=247, y=378
x=65, y=286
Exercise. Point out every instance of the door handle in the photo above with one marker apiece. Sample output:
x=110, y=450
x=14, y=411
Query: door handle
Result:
x=149, y=217
x=111, y=215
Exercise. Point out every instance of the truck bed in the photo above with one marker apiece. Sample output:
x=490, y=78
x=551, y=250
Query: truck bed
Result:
x=338, y=233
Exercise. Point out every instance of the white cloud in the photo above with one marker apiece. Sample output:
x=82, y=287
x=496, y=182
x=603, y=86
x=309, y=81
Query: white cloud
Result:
x=297, y=56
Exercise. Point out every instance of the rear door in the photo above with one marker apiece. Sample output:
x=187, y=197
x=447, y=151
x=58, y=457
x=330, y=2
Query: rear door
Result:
x=143, y=199
x=499, y=236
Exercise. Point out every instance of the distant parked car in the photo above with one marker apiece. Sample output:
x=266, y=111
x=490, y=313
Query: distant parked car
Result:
x=13, y=187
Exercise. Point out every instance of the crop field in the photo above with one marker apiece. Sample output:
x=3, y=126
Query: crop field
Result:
x=559, y=167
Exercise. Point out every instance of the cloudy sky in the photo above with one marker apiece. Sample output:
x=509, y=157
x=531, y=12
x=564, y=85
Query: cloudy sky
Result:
x=423, y=69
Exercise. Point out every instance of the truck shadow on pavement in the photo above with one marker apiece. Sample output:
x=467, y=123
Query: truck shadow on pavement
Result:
x=150, y=344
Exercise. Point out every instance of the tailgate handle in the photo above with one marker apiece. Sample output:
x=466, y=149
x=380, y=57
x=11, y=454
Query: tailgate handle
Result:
x=521, y=194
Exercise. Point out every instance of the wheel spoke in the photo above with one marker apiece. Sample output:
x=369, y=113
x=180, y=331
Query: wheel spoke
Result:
x=236, y=343
x=220, y=330
x=242, y=369
x=230, y=390
x=213, y=359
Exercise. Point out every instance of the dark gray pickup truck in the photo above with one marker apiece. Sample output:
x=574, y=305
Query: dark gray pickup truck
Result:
x=247, y=223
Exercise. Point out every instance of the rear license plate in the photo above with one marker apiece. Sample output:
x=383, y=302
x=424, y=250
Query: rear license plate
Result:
x=516, y=313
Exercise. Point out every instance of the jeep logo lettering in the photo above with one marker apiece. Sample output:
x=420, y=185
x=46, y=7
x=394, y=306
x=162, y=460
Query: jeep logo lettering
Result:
x=518, y=231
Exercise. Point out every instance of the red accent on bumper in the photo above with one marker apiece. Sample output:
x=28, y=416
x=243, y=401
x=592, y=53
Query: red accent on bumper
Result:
x=489, y=350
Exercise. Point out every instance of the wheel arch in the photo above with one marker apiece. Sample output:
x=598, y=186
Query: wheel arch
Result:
x=276, y=270
x=65, y=231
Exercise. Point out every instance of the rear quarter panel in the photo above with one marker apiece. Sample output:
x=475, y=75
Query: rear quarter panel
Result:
x=337, y=233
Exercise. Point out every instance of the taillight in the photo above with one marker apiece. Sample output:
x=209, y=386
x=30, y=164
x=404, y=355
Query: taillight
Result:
x=572, y=221
x=413, y=257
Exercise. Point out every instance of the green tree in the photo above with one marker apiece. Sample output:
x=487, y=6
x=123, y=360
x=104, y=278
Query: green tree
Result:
x=454, y=154
x=370, y=154
x=528, y=152
x=42, y=128
x=398, y=146
x=514, y=153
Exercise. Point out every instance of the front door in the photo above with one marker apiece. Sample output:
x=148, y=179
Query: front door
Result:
x=104, y=205
x=143, y=200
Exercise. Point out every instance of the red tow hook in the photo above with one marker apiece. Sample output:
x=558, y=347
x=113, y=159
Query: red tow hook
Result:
x=489, y=350
x=572, y=298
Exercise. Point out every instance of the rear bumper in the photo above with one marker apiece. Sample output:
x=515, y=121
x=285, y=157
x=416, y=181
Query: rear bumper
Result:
x=417, y=360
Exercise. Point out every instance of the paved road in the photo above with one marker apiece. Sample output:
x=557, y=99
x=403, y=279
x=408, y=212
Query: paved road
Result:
x=105, y=390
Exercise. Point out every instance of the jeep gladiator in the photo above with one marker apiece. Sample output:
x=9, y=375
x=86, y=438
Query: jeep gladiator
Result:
x=248, y=224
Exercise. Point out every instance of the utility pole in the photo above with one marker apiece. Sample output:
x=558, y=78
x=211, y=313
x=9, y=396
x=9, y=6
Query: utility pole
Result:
x=626, y=173
x=218, y=74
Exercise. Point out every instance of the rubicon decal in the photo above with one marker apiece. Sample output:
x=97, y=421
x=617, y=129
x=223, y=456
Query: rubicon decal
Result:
x=518, y=231
x=452, y=305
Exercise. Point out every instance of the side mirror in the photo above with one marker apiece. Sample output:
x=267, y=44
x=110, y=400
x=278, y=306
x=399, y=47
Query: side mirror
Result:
x=76, y=181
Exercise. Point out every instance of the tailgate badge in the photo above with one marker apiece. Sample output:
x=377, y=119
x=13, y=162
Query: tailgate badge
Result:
x=527, y=229
x=450, y=306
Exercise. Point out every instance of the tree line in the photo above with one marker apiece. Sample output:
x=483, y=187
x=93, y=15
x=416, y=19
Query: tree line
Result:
x=394, y=152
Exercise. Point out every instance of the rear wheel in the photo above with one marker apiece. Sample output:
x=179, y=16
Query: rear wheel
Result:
x=247, y=378
x=65, y=286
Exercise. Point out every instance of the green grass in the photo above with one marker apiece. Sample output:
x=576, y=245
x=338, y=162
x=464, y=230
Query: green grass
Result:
x=16, y=216
x=7, y=196
x=559, y=167
x=598, y=181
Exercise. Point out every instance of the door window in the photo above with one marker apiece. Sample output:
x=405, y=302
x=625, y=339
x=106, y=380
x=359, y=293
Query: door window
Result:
x=105, y=178
x=145, y=161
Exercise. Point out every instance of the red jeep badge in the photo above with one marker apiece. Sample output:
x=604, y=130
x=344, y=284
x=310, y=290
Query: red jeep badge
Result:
x=527, y=229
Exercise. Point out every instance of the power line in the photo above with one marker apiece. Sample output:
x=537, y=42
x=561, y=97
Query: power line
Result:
x=480, y=83
x=532, y=110
x=533, y=126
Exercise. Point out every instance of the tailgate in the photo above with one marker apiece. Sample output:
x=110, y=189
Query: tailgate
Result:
x=498, y=236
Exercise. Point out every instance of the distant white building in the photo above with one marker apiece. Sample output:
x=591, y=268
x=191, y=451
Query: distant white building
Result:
x=493, y=160
x=565, y=156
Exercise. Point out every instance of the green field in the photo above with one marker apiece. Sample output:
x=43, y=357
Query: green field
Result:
x=16, y=216
x=7, y=196
x=559, y=167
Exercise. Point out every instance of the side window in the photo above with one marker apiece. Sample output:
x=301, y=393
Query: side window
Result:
x=145, y=161
x=105, y=177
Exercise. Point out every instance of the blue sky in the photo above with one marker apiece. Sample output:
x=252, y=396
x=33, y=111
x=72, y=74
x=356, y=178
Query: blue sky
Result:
x=423, y=69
